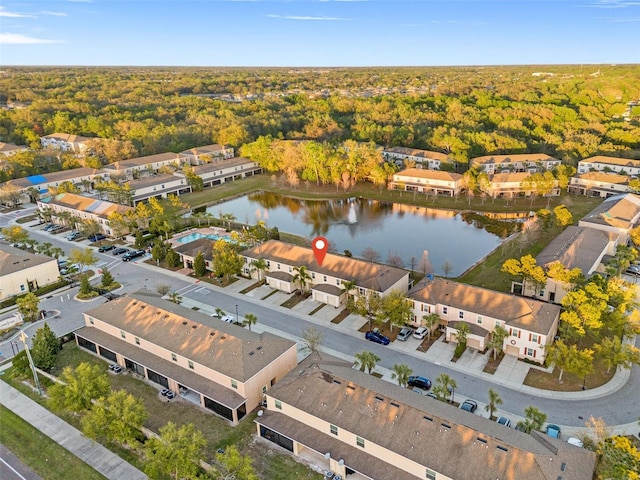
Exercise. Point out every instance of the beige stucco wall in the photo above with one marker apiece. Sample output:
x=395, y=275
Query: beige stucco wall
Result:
x=43, y=274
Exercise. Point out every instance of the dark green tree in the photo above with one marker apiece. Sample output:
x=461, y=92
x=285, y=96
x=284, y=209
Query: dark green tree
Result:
x=199, y=265
x=45, y=347
x=85, y=286
x=107, y=278
x=172, y=258
x=175, y=453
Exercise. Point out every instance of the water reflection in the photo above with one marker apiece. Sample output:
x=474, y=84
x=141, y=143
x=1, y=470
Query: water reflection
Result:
x=360, y=225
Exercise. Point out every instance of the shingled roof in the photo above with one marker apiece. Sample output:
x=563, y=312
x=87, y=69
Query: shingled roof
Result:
x=434, y=434
x=575, y=247
x=429, y=174
x=516, y=311
x=223, y=347
x=101, y=208
x=514, y=158
x=624, y=162
x=143, y=161
x=367, y=275
x=619, y=211
x=14, y=259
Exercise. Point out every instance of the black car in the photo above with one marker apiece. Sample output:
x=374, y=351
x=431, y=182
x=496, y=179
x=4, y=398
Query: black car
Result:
x=420, y=382
x=132, y=254
x=106, y=248
x=96, y=237
x=119, y=251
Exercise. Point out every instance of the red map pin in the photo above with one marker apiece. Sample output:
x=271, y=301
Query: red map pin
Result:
x=320, y=245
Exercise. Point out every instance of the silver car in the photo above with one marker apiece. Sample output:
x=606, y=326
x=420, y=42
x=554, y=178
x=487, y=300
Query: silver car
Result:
x=405, y=333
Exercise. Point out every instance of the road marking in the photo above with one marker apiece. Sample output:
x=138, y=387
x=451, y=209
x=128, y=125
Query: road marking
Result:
x=202, y=290
x=12, y=469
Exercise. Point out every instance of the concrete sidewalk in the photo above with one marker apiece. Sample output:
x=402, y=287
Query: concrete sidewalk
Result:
x=90, y=452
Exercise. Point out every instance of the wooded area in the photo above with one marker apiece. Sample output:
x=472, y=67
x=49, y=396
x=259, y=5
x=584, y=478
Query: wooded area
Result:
x=569, y=112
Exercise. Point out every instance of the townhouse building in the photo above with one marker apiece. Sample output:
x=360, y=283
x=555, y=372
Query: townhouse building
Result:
x=326, y=282
x=515, y=162
x=226, y=170
x=622, y=166
x=576, y=247
x=531, y=324
x=134, y=168
x=432, y=182
x=360, y=427
x=65, y=142
x=207, y=153
x=83, y=178
x=221, y=367
x=10, y=149
x=158, y=186
x=22, y=272
x=426, y=158
x=84, y=209
x=510, y=185
x=618, y=215
x=599, y=184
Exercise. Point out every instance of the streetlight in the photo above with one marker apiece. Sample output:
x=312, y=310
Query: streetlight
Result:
x=584, y=383
x=23, y=337
x=237, y=316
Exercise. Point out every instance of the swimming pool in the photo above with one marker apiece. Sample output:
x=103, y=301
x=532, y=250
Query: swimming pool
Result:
x=196, y=236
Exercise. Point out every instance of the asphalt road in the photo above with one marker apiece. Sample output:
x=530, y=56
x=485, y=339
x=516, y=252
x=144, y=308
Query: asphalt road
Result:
x=619, y=408
x=11, y=468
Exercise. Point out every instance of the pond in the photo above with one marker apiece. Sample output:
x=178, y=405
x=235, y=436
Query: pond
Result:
x=368, y=228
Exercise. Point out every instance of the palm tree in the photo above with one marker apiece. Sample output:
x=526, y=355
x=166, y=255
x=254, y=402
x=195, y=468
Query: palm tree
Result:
x=401, y=372
x=463, y=332
x=46, y=249
x=57, y=252
x=302, y=278
x=445, y=385
x=175, y=297
x=348, y=286
x=227, y=217
x=430, y=321
x=259, y=265
x=494, y=401
x=366, y=360
x=497, y=340
x=250, y=319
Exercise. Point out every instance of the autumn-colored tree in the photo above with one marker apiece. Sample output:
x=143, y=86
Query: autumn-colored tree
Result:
x=526, y=268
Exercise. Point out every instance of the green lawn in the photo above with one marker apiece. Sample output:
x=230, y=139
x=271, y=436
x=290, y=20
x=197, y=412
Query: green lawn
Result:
x=39, y=452
x=217, y=432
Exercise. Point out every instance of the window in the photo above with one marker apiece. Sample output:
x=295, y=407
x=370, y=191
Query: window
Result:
x=174, y=357
x=531, y=352
x=445, y=310
x=431, y=475
x=22, y=289
x=137, y=341
x=190, y=364
x=461, y=314
x=278, y=266
x=324, y=278
x=479, y=319
x=542, y=293
x=338, y=282
x=91, y=320
x=122, y=334
x=534, y=338
x=515, y=332
x=290, y=269
x=360, y=442
x=278, y=404
x=234, y=383
x=264, y=389
x=334, y=429
x=313, y=275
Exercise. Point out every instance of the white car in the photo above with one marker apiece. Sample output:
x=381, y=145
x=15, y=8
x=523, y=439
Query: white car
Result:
x=575, y=441
x=227, y=318
x=420, y=333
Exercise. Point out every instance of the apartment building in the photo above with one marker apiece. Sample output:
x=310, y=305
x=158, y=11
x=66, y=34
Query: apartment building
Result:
x=426, y=158
x=515, y=162
x=134, y=168
x=65, y=142
x=599, y=184
x=221, y=367
x=22, y=272
x=622, y=166
x=207, y=154
x=618, y=215
x=432, y=182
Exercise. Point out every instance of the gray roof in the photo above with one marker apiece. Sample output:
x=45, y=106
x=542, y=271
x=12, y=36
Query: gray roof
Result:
x=618, y=211
x=575, y=247
x=191, y=249
x=62, y=176
x=516, y=311
x=153, y=180
x=143, y=161
x=14, y=259
x=220, y=164
x=239, y=353
x=432, y=433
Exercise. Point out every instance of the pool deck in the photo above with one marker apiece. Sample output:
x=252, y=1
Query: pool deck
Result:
x=175, y=240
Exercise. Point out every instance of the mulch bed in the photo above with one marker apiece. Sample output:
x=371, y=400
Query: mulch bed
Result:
x=492, y=365
x=341, y=316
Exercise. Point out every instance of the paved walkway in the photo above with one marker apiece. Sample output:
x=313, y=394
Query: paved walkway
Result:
x=90, y=452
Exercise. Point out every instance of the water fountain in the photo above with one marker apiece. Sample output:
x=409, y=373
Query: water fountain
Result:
x=351, y=217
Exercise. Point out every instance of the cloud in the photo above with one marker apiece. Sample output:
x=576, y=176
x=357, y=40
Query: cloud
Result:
x=4, y=13
x=301, y=17
x=19, y=39
x=613, y=4
x=54, y=14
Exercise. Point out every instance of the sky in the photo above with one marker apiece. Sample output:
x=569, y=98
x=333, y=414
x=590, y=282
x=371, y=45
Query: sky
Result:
x=318, y=32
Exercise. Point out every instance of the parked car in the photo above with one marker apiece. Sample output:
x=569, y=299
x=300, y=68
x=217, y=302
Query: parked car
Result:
x=575, y=441
x=69, y=269
x=127, y=257
x=432, y=395
x=97, y=236
x=106, y=248
x=119, y=251
x=117, y=369
x=73, y=235
x=376, y=337
x=633, y=269
x=553, y=430
x=48, y=226
x=419, y=382
x=504, y=421
x=55, y=228
x=469, y=405
x=420, y=333
x=405, y=333
x=227, y=318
